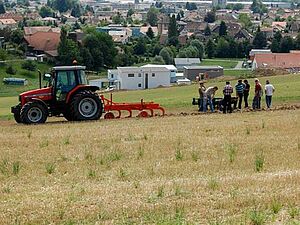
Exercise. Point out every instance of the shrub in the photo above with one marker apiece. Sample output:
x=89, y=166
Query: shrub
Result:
x=29, y=65
x=3, y=55
x=10, y=70
x=259, y=162
x=257, y=217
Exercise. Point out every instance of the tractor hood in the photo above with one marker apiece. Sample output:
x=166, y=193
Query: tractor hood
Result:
x=42, y=94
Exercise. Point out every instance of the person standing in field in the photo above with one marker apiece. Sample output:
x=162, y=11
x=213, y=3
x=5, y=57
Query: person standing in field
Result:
x=257, y=95
x=202, y=90
x=246, y=92
x=227, y=91
x=210, y=94
x=269, y=90
x=239, y=88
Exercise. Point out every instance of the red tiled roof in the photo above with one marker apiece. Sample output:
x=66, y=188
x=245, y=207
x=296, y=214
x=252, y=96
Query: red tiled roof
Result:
x=278, y=60
x=43, y=41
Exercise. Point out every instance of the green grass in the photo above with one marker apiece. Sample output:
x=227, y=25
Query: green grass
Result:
x=180, y=98
x=226, y=64
x=31, y=76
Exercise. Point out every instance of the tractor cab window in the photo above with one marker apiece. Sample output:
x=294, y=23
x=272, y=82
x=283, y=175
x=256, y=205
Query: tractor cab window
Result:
x=65, y=82
x=82, y=77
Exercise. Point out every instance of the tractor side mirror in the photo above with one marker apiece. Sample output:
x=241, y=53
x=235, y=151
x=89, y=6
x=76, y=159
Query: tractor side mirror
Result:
x=47, y=77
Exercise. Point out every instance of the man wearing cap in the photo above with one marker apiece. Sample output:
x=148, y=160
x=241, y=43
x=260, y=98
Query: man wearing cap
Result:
x=269, y=90
x=227, y=91
x=202, y=90
x=239, y=88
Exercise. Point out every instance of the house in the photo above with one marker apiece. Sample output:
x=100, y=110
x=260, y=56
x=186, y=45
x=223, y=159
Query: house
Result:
x=144, y=29
x=242, y=35
x=43, y=43
x=253, y=52
x=8, y=23
x=287, y=61
x=144, y=77
x=32, y=30
x=279, y=26
x=268, y=32
x=181, y=62
x=191, y=72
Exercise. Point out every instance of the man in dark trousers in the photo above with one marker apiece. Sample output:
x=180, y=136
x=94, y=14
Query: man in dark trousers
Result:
x=246, y=92
x=239, y=88
x=227, y=91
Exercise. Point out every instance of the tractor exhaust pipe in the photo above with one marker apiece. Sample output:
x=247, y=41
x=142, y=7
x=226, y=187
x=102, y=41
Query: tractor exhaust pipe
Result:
x=40, y=78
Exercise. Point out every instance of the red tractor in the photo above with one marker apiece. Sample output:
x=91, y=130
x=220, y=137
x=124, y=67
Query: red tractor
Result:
x=67, y=94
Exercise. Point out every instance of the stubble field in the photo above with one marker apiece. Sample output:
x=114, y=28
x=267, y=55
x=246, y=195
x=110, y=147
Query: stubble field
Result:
x=241, y=168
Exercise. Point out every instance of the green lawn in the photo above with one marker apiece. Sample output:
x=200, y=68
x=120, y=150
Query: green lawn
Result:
x=226, y=64
x=31, y=76
x=180, y=98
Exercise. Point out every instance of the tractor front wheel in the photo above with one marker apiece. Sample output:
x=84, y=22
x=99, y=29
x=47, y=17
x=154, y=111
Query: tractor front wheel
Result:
x=33, y=113
x=86, y=105
x=17, y=113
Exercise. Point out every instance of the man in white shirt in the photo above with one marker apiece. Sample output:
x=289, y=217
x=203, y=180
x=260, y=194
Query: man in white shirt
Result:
x=269, y=90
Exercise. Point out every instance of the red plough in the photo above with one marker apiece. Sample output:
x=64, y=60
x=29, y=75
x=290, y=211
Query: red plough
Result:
x=145, y=109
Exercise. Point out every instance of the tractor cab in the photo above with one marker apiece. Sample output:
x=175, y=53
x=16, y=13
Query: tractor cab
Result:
x=67, y=94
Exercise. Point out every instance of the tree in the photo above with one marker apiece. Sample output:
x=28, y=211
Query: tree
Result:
x=68, y=50
x=188, y=52
x=29, y=65
x=222, y=49
x=102, y=49
x=199, y=46
x=258, y=7
x=233, y=51
x=286, y=44
x=275, y=46
x=150, y=33
x=167, y=57
x=152, y=16
x=210, y=17
x=245, y=20
x=46, y=11
x=3, y=54
x=207, y=31
x=158, y=60
x=238, y=6
x=210, y=49
x=17, y=36
x=62, y=5
x=76, y=11
x=260, y=40
x=130, y=12
x=223, y=29
x=140, y=47
x=2, y=8
x=172, y=32
x=117, y=19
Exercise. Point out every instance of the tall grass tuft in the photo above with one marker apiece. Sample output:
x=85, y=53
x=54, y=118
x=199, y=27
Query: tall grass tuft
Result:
x=50, y=168
x=231, y=149
x=160, y=192
x=293, y=211
x=247, y=130
x=213, y=184
x=16, y=168
x=276, y=206
x=257, y=217
x=178, y=154
x=4, y=167
x=66, y=140
x=140, y=154
x=259, y=162
x=91, y=173
x=195, y=156
x=263, y=124
x=44, y=144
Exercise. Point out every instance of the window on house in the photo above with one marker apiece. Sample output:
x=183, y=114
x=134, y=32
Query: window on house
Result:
x=130, y=75
x=112, y=76
x=140, y=75
x=139, y=85
x=153, y=74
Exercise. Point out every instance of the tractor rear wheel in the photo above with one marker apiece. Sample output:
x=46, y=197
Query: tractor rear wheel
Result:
x=17, y=113
x=86, y=105
x=33, y=113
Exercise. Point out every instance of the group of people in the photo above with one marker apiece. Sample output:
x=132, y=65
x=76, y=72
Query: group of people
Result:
x=242, y=89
